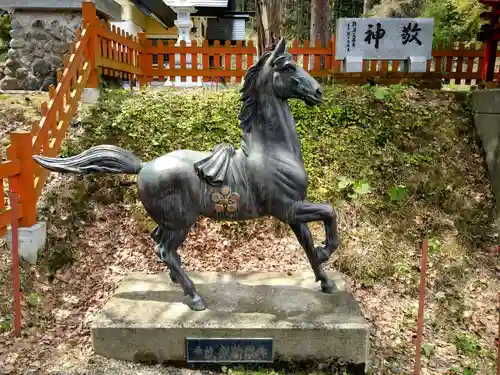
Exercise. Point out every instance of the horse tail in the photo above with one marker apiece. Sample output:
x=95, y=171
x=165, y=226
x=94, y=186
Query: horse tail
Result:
x=97, y=159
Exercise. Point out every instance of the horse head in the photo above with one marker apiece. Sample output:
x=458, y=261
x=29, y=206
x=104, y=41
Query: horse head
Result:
x=287, y=79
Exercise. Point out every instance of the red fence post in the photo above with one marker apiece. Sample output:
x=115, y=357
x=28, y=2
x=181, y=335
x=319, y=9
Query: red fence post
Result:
x=421, y=304
x=145, y=61
x=14, y=202
x=498, y=337
x=93, y=48
x=490, y=55
x=22, y=149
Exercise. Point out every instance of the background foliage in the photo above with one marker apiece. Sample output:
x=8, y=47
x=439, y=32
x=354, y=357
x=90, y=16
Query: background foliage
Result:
x=5, y=27
x=399, y=152
x=455, y=20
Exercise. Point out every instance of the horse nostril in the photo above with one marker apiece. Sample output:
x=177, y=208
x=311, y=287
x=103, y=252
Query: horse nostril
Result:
x=319, y=92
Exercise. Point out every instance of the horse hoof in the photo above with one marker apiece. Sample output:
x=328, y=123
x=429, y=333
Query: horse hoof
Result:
x=197, y=304
x=321, y=255
x=328, y=287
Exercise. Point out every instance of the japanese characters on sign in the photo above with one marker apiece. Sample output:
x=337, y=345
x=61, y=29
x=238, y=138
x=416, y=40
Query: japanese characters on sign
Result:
x=351, y=35
x=385, y=38
x=229, y=350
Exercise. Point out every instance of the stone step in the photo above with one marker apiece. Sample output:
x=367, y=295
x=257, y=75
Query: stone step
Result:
x=147, y=317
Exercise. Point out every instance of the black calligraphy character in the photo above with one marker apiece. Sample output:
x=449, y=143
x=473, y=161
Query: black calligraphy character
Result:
x=376, y=35
x=223, y=352
x=208, y=353
x=410, y=34
x=354, y=34
x=261, y=352
x=249, y=352
x=198, y=353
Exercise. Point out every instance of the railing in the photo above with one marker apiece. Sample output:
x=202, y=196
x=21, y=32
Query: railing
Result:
x=24, y=176
x=458, y=63
x=102, y=49
x=117, y=53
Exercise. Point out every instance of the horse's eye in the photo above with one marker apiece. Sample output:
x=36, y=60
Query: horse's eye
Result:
x=289, y=68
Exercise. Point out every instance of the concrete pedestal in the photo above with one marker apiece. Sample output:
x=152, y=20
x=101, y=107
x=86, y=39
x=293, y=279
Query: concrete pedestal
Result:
x=147, y=317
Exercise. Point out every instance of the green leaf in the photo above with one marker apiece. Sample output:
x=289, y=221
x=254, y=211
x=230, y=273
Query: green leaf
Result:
x=427, y=350
x=344, y=182
x=362, y=188
x=434, y=245
x=398, y=193
x=381, y=93
x=33, y=299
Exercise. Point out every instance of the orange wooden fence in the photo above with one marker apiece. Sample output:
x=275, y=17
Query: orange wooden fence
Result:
x=460, y=63
x=100, y=49
x=24, y=176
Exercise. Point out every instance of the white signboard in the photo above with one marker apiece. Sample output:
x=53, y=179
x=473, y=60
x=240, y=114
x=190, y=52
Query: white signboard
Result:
x=384, y=38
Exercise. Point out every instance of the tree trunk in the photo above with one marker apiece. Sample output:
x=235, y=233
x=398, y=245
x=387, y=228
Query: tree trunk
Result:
x=269, y=15
x=367, y=7
x=320, y=26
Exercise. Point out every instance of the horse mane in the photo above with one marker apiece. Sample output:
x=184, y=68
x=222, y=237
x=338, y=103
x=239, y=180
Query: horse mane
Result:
x=248, y=94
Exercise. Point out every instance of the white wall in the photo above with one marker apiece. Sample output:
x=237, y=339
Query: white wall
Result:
x=129, y=27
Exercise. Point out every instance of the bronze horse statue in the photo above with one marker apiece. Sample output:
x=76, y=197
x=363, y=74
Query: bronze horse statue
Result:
x=265, y=177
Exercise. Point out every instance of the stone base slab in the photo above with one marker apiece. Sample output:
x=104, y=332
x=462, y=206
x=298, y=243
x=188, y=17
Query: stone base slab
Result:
x=147, y=317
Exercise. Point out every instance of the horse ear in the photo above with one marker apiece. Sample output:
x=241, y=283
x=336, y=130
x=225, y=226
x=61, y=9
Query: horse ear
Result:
x=281, y=47
x=279, y=50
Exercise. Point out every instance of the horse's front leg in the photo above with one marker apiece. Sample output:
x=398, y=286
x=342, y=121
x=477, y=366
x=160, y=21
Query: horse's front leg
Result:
x=305, y=239
x=306, y=212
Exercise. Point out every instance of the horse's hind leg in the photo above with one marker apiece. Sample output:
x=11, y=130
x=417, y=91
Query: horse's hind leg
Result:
x=304, y=237
x=157, y=236
x=170, y=242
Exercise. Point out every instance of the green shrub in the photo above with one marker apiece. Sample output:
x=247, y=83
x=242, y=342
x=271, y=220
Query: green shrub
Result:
x=455, y=20
x=5, y=28
x=397, y=153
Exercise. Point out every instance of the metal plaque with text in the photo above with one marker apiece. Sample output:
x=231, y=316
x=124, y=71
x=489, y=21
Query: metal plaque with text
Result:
x=225, y=350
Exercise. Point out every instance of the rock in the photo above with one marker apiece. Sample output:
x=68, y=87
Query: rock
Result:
x=30, y=46
x=9, y=83
x=31, y=83
x=15, y=24
x=49, y=80
x=40, y=35
x=12, y=64
x=8, y=72
x=17, y=34
x=39, y=53
x=40, y=68
x=38, y=24
x=70, y=34
x=55, y=62
x=48, y=46
x=27, y=59
x=13, y=54
x=17, y=43
x=57, y=33
x=60, y=48
x=22, y=73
